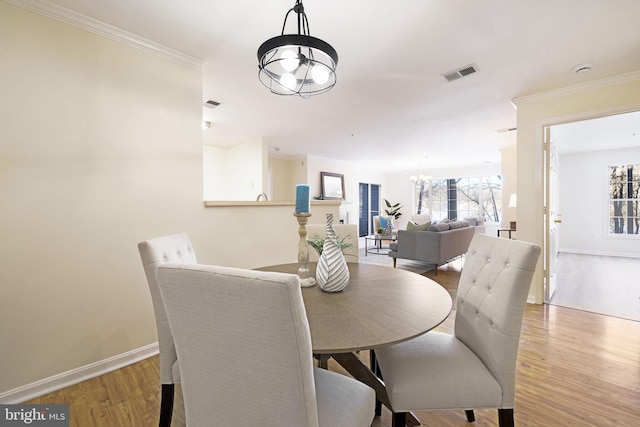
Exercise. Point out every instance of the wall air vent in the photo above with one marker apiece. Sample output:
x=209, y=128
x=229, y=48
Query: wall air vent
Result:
x=211, y=104
x=460, y=73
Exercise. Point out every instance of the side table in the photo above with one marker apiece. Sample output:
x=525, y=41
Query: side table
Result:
x=508, y=230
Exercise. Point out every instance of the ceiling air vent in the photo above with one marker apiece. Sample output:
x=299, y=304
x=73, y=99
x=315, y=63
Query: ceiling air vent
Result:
x=460, y=73
x=211, y=104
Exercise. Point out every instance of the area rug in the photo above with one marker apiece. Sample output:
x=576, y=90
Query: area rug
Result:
x=386, y=261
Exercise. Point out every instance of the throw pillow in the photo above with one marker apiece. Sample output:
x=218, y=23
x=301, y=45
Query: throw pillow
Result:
x=471, y=220
x=424, y=227
x=418, y=227
x=383, y=221
x=443, y=226
x=458, y=224
x=421, y=219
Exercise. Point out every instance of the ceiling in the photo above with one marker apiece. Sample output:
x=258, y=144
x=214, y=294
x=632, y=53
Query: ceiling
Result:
x=602, y=133
x=391, y=108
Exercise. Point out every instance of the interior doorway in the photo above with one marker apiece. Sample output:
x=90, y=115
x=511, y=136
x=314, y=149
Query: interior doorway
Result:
x=577, y=210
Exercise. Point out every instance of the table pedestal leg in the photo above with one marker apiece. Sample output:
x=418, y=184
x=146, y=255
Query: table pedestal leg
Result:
x=323, y=360
x=358, y=370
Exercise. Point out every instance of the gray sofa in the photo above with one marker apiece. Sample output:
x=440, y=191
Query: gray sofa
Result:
x=434, y=247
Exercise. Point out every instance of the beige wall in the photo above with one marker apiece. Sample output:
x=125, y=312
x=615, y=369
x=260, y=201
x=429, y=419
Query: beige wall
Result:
x=509, y=173
x=285, y=174
x=610, y=96
x=238, y=172
x=100, y=148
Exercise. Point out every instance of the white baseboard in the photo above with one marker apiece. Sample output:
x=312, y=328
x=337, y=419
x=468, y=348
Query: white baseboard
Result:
x=600, y=253
x=74, y=376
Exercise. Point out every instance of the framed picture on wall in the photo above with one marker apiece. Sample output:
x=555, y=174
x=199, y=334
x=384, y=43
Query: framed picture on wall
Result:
x=332, y=186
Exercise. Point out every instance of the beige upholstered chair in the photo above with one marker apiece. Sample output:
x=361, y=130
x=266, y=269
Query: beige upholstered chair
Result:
x=153, y=252
x=348, y=231
x=376, y=224
x=475, y=367
x=244, y=347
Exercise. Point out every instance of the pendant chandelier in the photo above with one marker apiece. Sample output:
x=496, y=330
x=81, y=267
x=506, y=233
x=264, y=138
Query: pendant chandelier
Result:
x=297, y=64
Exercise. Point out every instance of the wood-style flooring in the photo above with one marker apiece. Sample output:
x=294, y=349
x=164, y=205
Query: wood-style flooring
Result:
x=600, y=284
x=575, y=368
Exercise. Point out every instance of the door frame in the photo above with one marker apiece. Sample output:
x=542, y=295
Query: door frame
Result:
x=541, y=127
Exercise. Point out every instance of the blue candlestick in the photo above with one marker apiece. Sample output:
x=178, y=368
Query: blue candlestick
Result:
x=303, y=203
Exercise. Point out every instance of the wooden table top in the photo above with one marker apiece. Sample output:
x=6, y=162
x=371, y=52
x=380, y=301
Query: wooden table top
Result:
x=379, y=307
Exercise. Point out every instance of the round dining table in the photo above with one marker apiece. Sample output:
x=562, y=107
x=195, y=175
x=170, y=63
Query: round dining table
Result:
x=380, y=306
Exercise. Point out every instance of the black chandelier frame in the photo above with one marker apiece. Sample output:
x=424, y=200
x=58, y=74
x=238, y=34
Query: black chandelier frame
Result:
x=310, y=52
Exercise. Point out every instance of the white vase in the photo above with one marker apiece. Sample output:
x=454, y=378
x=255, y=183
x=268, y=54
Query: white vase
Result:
x=332, y=273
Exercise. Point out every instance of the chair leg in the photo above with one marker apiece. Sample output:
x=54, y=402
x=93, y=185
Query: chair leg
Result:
x=394, y=262
x=505, y=418
x=166, y=405
x=399, y=419
x=470, y=415
x=375, y=368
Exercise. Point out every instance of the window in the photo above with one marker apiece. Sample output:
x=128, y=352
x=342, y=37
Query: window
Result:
x=460, y=197
x=369, y=207
x=624, y=197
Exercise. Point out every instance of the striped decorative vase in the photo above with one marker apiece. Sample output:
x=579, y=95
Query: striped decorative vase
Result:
x=332, y=272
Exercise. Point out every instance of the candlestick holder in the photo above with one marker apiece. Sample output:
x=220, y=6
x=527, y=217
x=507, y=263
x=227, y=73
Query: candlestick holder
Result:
x=303, y=251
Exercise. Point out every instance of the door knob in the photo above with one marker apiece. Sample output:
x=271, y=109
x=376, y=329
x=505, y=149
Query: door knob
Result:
x=557, y=221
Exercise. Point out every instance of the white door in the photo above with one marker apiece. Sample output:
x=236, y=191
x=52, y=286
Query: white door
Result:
x=552, y=217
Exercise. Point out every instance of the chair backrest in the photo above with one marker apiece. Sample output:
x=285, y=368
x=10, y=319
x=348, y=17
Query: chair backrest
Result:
x=492, y=295
x=243, y=343
x=154, y=252
x=347, y=231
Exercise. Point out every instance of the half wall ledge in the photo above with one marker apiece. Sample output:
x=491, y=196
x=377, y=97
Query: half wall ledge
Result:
x=239, y=203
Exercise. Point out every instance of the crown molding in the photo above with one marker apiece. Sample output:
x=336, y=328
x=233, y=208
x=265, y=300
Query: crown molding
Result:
x=570, y=90
x=86, y=23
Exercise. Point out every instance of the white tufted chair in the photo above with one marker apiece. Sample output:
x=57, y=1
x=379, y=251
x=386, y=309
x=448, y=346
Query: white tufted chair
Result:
x=223, y=321
x=154, y=252
x=475, y=367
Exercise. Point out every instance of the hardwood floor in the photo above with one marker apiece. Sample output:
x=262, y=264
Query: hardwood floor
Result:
x=600, y=284
x=575, y=368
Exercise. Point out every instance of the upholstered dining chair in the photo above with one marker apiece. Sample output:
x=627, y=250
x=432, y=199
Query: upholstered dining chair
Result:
x=244, y=347
x=476, y=366
x=154, y=252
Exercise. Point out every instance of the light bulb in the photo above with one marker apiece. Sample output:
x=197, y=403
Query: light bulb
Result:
x=289, y=81
x=289, y=60
x=320, y=74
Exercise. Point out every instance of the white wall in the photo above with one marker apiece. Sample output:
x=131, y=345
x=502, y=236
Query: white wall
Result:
x=583, y=203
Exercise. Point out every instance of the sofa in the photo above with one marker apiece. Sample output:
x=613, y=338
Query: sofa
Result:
x=440, y=243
